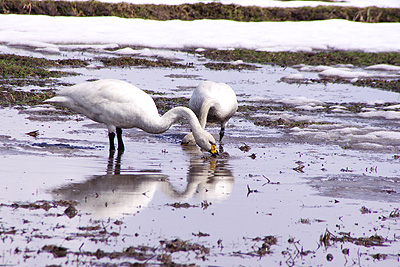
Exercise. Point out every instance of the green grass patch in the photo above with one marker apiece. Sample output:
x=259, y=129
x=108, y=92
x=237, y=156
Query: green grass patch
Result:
x=9, y=97
x=230, y=66
x=285, y=123
x=13, y=66
x=164, y=103
x=133, y=61
x=389, y=85
x=287, y=59
x=19, y=67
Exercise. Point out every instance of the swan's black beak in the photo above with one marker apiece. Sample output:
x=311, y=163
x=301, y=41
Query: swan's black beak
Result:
x=214, y=150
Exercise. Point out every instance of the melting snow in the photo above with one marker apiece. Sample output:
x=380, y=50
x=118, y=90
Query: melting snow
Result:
x=298, y=101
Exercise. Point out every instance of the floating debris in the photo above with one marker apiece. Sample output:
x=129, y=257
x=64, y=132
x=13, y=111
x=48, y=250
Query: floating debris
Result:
x=33, y=133
x=179, y=205
x=245, y=148
x=57, y=251
x=374, y=240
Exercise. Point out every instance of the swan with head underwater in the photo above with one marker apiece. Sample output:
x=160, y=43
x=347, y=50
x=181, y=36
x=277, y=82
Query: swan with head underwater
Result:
x=120, y=105
x=212, y=102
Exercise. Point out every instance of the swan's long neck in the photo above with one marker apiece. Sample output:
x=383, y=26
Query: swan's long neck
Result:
x=164, y=122
x=205, y=108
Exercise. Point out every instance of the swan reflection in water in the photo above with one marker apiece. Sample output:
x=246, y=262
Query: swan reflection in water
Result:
x=118, y=192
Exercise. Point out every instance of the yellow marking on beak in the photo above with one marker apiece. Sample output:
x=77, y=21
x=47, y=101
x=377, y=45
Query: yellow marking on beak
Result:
x=214, y=149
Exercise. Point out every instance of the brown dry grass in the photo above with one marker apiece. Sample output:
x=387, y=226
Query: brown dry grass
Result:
x=198, y=11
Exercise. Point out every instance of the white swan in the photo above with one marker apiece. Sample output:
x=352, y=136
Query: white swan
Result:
x=212, y=102
x=119, y=105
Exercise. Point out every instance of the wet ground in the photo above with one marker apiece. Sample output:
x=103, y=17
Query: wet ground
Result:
x=324, y=193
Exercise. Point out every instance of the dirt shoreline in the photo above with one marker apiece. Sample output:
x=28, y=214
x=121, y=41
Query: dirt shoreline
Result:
x=198, y=11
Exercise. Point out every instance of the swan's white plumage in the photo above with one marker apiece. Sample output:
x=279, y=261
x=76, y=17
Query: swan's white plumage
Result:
x=119, y=104
x=212, y=102
x=126, y=105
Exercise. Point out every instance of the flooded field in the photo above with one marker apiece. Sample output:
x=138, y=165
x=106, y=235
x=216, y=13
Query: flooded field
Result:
x=310, y=176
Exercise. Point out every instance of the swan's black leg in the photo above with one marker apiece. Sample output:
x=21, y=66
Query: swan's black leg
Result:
x=121, y=146
x=111, y=136
x=221, y=133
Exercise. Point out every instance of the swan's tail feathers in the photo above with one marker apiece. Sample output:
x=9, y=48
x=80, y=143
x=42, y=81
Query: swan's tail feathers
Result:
x=61, y=101
x=57, y=100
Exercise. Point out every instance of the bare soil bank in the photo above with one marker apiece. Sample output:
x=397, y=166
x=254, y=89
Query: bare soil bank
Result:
x=198, y=11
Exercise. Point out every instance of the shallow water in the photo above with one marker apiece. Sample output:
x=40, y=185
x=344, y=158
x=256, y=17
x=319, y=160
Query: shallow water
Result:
x=293, y=184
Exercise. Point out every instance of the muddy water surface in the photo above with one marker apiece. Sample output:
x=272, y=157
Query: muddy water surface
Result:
x=324, y=195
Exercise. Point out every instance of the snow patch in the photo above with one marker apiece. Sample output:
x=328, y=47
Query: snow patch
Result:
x=389, y=115
x=383, y=67
x=293, y=78
x=392, y=107
x=301, y=100
x=333, y=73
